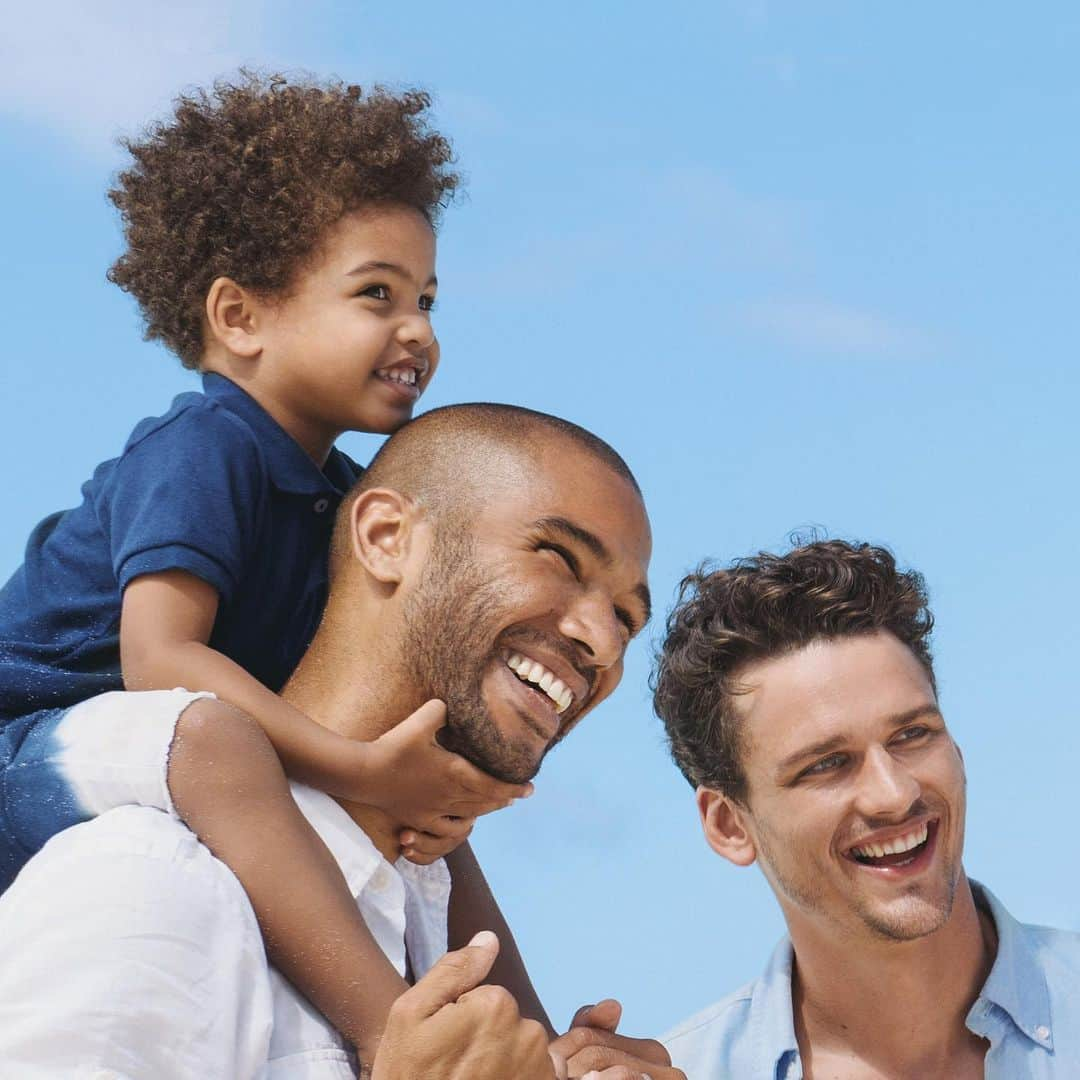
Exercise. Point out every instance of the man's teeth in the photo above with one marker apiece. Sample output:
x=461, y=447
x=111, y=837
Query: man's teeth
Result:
x=539, y=676
x=401, y=375
x=896, y=846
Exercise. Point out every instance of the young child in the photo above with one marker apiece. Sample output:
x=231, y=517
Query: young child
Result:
x=280, y=239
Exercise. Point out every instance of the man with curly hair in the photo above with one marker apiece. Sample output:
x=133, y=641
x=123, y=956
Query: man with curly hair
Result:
x=799, y=698
x=280, y=240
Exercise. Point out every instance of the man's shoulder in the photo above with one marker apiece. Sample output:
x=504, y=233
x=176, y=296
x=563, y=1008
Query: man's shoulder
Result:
x=1057, y=952
x=132, y=848
x=712, y=1034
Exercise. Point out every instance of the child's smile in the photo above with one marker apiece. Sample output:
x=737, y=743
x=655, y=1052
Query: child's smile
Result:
x=350, y=346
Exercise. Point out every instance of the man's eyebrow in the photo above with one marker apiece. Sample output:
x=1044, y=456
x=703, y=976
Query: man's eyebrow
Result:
x=592, y=543
x=386, y=267
x=586, y=539
x=826, y=746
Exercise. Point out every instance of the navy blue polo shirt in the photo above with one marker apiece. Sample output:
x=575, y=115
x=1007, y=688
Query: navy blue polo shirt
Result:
x=214, y=487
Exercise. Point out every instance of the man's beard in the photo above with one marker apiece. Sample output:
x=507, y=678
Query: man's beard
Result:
x=448, y=637
x=913, y=918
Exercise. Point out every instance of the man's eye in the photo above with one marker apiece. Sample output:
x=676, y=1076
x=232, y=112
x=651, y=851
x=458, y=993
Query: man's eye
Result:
x=376, y=292
x=564, y=556
x=628, y=621
x=911, y=733
x=427, y=303
x=825, y=765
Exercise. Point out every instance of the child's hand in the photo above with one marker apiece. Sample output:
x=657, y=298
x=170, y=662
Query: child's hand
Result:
x=410, y=776
x=423, y=848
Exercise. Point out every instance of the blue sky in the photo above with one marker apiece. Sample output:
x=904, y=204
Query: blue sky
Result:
x=804, y=265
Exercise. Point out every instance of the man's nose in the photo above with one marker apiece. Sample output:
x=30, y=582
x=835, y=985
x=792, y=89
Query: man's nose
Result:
x=886, y=787
x=593, y=624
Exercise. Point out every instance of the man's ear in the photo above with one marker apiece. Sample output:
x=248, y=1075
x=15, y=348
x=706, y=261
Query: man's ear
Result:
x=724, y=823
x=232, y=318
x=383, y=533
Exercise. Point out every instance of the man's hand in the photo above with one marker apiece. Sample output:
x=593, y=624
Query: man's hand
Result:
x=435, y=792
x=593, y=1050
x=449, y=1027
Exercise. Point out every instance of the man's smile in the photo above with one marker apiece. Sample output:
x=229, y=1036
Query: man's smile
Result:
x=533, y=672
x=901, y=850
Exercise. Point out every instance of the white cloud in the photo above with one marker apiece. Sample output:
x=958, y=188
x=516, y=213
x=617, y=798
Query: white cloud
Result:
x=821, y=326
x=95, y=71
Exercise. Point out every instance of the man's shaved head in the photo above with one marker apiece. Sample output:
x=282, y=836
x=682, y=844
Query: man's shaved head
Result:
x=449, y=459
x=522, y=581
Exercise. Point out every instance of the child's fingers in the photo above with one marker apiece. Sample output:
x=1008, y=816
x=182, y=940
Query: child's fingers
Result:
x=424, y=722
x=444, y=828
x=478, y=783
x=423, y=847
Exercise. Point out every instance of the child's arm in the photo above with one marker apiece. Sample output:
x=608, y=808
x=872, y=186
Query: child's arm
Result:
x=472, y=909
x=228, y=785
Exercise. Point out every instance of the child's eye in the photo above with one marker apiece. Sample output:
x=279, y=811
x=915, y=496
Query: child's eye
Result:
x=376, y=292
x=427, y=303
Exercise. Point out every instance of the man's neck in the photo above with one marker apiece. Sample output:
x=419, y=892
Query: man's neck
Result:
x=343, y=683
x=894, y=1009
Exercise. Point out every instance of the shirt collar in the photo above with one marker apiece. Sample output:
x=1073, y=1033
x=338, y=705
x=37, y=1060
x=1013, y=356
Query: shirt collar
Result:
x=772, y=1021
x=359, y=859
x=1016, y=984
x=290, y=468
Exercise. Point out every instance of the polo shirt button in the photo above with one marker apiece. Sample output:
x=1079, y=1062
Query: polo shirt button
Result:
x=1042, y=1031
x=321, y=505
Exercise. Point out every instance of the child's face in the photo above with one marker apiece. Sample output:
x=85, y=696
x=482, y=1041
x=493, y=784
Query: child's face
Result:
x=351, y=348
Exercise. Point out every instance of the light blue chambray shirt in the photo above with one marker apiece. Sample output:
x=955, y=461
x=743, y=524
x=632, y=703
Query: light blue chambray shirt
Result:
x=1029, y=1010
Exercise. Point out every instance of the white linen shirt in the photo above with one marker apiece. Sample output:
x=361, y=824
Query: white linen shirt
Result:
x=128, y=952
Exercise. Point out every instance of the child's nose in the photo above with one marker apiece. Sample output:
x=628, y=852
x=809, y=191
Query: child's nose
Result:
x=416, y=331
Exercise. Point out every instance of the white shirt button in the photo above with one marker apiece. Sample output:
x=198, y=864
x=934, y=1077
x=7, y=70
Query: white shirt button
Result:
x=380, y=879
x=321, y=505
x=1042, y=1031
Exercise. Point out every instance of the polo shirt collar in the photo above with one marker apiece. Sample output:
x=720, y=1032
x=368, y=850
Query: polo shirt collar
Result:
x=1016, y=984
x=290, y=468
x=772, y=1021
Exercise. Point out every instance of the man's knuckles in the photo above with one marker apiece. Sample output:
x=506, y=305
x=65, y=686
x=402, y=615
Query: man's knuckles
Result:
x=494, y=1002
x=578, y=1039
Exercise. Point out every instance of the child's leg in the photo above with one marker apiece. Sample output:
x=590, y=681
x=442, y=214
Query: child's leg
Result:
x=228, y=786
x=43, y=789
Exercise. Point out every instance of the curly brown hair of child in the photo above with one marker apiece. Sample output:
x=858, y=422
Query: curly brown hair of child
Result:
x=244, y=179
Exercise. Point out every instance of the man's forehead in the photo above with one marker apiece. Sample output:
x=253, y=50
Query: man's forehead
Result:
x=555, y=476
x=829, y=689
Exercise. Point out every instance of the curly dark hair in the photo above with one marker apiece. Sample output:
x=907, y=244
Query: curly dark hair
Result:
x=763, y=607
x=244, y=179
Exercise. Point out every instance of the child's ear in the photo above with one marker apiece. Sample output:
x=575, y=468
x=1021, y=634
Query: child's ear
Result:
x=231, y=317
x=383, y=533
x=724, y=823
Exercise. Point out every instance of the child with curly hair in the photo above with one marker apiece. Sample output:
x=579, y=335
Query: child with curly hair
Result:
x=280, y=239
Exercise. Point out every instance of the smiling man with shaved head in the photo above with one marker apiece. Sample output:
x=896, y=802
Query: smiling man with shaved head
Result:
x=491, y=557
x=799, y=697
